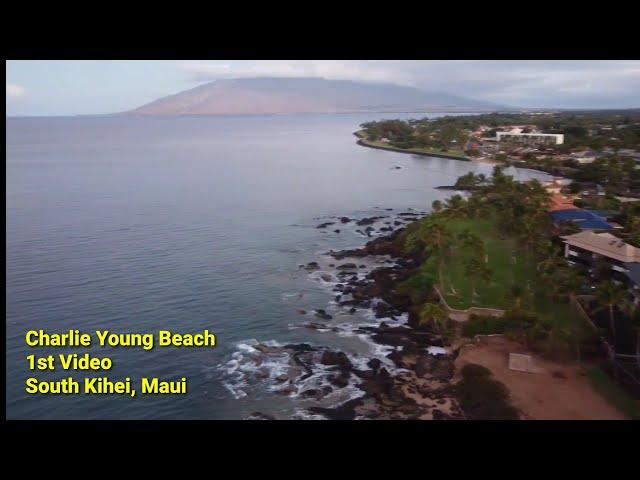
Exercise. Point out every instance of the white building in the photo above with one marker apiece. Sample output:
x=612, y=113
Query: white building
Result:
x=554, y=138
x=585, y=157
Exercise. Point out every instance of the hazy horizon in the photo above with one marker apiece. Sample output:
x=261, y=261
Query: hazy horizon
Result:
x=70, y=88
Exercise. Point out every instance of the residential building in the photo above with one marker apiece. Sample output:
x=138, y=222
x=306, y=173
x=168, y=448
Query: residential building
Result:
x=552, y=138
x=587, y=247
x=560, y=202
x=556, y=185
x=586, y=156
x=584, y=219
x=633, y=277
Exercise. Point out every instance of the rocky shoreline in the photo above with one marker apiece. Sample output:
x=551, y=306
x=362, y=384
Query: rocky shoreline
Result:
x=412, y=380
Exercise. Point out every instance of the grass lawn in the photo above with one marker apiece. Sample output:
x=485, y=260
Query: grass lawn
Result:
x=606, y=386
x=452, y=152
x=510, y=265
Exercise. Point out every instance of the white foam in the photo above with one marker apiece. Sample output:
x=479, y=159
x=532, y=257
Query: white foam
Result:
x=437, y=351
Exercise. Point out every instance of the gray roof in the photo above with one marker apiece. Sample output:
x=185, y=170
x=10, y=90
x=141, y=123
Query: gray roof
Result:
x=634, y=272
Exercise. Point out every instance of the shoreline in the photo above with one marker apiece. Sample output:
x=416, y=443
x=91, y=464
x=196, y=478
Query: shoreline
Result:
x=365, y=143
x=408, y=371
x=412, y=371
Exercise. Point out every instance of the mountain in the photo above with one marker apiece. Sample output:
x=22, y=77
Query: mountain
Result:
x=248, y=96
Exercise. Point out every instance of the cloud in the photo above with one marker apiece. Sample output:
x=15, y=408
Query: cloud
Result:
x=15, y=90
x=516, y=82
x=367, y=71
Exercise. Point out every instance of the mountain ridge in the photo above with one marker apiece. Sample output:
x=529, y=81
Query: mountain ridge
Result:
x=276, y=95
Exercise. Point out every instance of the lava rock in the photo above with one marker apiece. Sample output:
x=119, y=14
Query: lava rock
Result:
x=325, y=225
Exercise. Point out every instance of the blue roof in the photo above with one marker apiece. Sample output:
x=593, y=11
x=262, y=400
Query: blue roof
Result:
x=585, y=219
x=600, y=213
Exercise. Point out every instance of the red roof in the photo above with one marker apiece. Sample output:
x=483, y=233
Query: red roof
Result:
x=560, y=202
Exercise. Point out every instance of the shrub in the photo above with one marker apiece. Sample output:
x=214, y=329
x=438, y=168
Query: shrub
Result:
x=419, y=287
x=473, y=370
x=483, y=325
x=483, y=398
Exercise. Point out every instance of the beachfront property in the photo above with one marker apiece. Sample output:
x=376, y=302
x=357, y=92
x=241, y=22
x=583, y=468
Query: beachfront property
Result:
x=584, y=219
x=519, y=137
x=633, y=278
x=562, y=210
x=560, y=202
x=587, y=247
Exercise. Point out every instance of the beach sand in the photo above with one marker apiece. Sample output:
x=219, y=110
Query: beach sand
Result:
x=555, y=392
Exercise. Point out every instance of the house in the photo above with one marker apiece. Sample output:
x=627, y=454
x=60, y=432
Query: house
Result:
x=560, y=202
x=556, y=185
x=633, y=278
x=512, y=136
x=627, y=199
x=584, y=219
x=553, y=187
x=587, y=156
x=587, y=247
x=592, y=190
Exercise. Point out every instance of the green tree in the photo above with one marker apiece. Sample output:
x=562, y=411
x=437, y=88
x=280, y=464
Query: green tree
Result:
x=476, y=270
x=610, y=296
x=472, y=243
x=435, y=238
x=518, y=297
x=455, y=207
x=435, y=315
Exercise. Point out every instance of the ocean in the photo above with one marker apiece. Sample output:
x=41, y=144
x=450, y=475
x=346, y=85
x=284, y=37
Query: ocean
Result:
x=139, y=224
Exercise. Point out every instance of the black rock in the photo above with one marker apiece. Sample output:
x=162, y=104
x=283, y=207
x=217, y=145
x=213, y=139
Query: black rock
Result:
x=347, y=266
x=340, y=381
x=325, y=225
x=374, y=363
x=346, y=411
x=367, y=221
x=336, y=358
x=320, y=313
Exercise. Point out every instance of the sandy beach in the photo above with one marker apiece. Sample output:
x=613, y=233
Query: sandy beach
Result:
x=554, y=392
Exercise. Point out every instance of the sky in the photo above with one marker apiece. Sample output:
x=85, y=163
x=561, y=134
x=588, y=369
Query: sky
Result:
x=87, y=87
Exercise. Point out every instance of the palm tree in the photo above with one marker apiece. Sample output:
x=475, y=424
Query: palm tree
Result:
x=571, y=281
x=455, y=206
x=551, y=265
x=471, y=242
x=435, y=315
x=434, y=238
x=611, y=296
x=476, y=269
x=635, y=323
x=518, y=297
x=437, y=238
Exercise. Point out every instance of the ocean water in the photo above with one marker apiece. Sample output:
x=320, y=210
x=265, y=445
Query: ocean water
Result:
x=136, y=224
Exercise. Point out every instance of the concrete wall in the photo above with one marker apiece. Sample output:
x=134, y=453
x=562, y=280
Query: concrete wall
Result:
x=463, y=315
